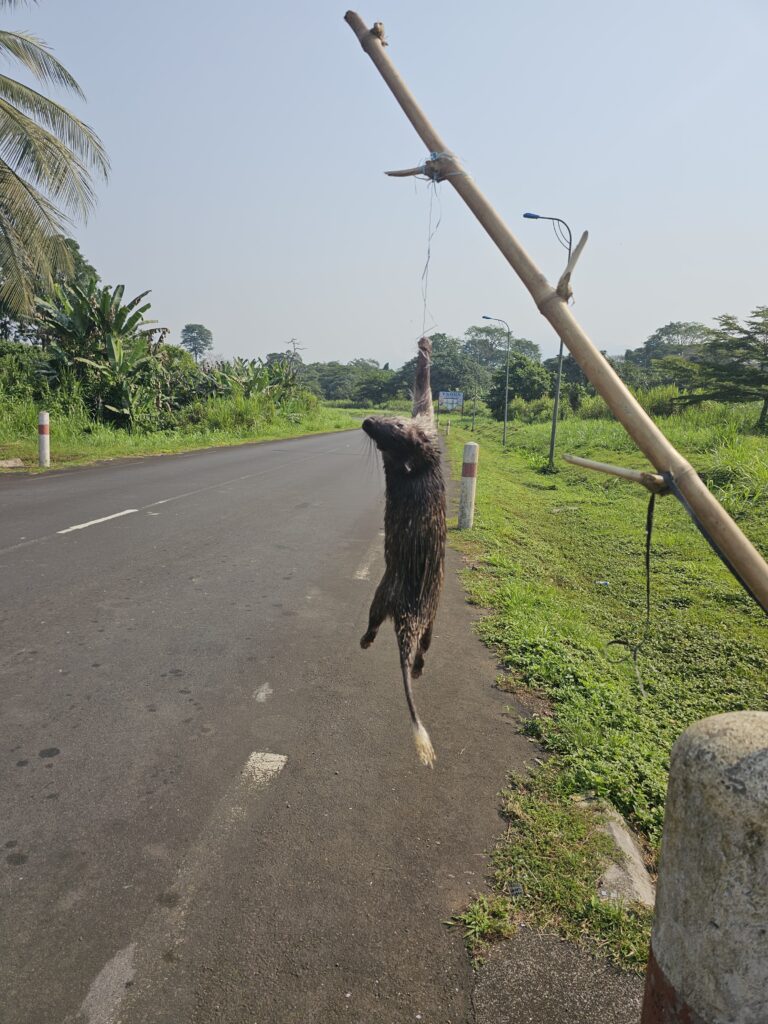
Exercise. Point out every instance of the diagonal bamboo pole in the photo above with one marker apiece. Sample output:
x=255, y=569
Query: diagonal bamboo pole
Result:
x=730, y=543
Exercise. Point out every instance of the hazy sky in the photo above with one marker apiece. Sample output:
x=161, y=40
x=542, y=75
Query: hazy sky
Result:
x=248, y=142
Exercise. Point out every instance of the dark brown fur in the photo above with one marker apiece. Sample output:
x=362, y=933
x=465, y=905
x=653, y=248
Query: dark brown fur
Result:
x=414, y=534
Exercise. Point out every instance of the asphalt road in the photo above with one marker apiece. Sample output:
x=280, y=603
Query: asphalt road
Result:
x=210, y=804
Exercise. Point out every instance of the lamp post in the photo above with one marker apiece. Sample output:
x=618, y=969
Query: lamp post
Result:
x=506, y=386
x=564, y=237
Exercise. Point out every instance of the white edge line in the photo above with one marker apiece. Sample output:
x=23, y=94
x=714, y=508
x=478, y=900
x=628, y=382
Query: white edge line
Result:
x=93, y=522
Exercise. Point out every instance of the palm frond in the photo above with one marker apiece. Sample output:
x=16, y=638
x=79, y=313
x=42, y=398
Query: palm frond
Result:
x=34, y=54
x=46, y=162
x=32, y=246
x=46, y=154
x=74, y=133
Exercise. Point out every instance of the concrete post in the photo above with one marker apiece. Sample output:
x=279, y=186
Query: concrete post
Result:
x=43, y=439
x=709, y=949
x=468, y=485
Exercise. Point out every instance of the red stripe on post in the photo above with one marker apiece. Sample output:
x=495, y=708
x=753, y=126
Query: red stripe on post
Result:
x=661, y=1003
x=469, y=469
x=43, y=428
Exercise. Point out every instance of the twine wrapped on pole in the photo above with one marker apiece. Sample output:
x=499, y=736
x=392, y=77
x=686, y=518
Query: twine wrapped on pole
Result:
x=725, y=536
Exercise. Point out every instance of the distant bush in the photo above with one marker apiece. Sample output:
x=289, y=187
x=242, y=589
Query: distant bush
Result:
x=593, y=408
x=537, y=410
x=22, y=369
x=658, y=401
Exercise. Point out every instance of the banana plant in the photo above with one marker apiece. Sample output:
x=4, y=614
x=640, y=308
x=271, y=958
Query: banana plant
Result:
x=69, y=319
x=96, y=328
x=121, y=373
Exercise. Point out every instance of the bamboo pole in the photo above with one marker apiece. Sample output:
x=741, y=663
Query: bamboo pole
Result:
x=731, y=544
x=651, y=481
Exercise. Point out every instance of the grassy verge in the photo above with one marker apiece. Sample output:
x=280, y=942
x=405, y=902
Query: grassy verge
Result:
x=76, y=440
x=546, y=870
x=558, y=563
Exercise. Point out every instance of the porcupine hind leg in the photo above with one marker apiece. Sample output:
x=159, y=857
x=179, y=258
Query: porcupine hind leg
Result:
x=378, y=612
x=418, y=663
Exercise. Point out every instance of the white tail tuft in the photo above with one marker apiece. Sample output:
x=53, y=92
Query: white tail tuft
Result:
x=424, y=746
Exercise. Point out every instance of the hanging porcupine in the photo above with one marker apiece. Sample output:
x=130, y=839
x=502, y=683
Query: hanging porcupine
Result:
x=414, y=535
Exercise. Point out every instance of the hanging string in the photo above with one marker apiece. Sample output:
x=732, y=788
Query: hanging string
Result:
x=635, y=648
x=433, y=193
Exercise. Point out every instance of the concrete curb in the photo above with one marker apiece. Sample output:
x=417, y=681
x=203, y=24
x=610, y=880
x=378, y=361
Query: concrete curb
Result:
x=626, y=879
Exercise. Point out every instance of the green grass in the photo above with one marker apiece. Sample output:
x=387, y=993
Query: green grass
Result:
x=557, y=561
x=546, y=869
x=76, y=440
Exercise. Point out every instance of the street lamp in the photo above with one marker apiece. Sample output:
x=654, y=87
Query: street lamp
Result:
x=506, y=387
x=564, y=237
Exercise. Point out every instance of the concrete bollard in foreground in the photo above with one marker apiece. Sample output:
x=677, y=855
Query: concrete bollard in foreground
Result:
x=43, y=439
x=709, y=948
x=468, y=485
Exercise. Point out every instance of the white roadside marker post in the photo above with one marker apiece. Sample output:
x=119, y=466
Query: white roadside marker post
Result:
x=708, y=962
x=468, y=485
x=44, y=439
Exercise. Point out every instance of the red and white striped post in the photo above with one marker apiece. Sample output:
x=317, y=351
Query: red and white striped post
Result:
x=44, y=439
x=468, y=485
x=709, y=949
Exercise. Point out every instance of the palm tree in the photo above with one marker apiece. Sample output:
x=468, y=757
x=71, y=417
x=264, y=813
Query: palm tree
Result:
x=46, y=156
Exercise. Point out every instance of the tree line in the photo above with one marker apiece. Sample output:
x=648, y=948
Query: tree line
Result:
x=85, y=344
x=727, y=362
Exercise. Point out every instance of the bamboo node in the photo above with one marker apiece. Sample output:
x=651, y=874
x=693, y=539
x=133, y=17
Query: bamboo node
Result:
x=378, y=32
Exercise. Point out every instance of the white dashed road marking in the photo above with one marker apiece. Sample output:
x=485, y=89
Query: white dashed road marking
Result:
x=164, y=501
x=263, y=693
x=106, y=993
x=93, y=522
x=260, y=769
